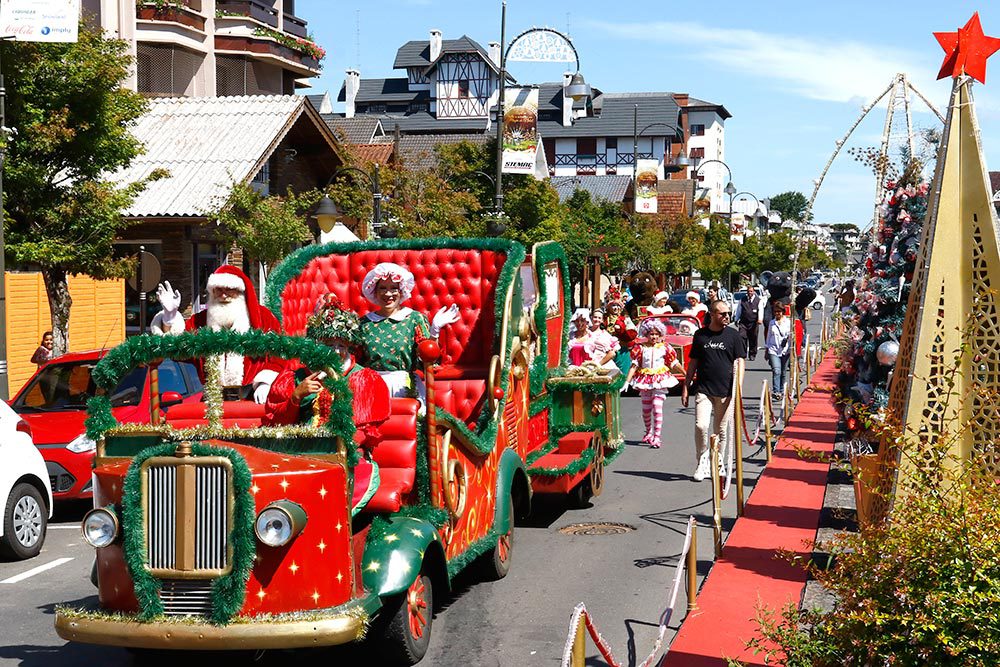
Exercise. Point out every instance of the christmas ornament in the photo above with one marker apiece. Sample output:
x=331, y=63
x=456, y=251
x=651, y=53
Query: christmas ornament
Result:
x=887, y=353
x=967, y=50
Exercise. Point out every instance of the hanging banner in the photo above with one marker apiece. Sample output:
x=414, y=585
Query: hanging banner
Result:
x=646, y=181
x=520, y=130
x=40, y=20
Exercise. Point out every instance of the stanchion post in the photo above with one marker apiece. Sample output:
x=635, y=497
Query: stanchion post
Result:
x=768, y=409
x=692, y=569
x=738, y=440
x=716, y=497
x=578, y=657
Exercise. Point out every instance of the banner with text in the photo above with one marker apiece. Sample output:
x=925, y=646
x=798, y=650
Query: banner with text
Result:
x=40, y=20
x=520, y=130
x=646, y=181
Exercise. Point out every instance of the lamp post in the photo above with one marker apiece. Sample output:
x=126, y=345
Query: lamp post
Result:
x=762, y=205
x=730, y=189
x=327, y=212
x=577, y=89
x=669, y=167
x=494, y=223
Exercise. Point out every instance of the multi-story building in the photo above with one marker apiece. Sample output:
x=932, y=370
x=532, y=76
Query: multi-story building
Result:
x=451, y=88
x=205, y=48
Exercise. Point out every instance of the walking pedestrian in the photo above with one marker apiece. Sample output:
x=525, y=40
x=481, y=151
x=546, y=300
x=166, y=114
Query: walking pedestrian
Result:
x=748, y=316
x=653, y=365
x=778, y=342
x=717, y=351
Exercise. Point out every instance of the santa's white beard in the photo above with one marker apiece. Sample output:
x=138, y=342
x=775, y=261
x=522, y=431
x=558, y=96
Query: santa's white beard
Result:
x=232, y=316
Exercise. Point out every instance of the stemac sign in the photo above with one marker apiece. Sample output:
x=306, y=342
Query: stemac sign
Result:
x=40, y=20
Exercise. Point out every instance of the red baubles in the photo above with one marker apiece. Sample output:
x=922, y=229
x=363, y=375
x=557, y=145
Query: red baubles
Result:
x=429, y=350
x=498, y=393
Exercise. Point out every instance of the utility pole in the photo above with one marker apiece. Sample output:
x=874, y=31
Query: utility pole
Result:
x=501, y=98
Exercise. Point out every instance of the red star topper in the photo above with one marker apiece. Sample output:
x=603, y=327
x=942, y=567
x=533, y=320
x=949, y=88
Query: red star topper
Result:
x=967, y=50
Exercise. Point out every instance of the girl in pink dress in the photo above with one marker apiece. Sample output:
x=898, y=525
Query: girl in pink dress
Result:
x=651, y=373
x=580, y=337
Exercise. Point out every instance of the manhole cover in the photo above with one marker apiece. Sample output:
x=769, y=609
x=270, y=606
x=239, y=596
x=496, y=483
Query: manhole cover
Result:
x=599, y=528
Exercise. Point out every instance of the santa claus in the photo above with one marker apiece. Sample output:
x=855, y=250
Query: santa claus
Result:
x=233, y=306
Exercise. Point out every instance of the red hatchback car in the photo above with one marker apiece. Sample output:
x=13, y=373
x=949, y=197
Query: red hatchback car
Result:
x=54, y=403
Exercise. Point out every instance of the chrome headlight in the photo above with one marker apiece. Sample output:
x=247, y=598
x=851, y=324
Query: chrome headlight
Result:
x=100, y=527
x=279, y=522
x=81, y=444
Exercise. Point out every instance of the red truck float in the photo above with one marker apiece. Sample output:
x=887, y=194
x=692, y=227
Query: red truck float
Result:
x=215, y=532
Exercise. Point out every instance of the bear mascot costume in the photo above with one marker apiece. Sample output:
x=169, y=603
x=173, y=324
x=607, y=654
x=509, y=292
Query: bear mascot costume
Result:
x=779, y=288
x=642, y=286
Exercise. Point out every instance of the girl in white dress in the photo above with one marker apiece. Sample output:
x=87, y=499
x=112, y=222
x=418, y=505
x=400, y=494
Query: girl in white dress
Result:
x=653, y=365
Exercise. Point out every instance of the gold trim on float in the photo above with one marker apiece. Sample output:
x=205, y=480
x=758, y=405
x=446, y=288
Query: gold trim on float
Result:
x=206, y=637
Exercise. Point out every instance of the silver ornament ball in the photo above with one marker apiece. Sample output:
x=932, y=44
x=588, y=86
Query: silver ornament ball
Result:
x=887, y=353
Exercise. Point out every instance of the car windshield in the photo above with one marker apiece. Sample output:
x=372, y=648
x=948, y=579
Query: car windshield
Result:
x=69, y=386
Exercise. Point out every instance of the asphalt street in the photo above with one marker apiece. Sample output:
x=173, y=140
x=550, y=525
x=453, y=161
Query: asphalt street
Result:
x=624, y=579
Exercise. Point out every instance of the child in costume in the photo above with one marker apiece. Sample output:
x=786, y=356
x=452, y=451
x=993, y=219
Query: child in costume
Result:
x=603, y=347
x=619, y=325
x=391, y=332
x=660, y=304
x=650, y=373
x=580, y=337
x=298, y=396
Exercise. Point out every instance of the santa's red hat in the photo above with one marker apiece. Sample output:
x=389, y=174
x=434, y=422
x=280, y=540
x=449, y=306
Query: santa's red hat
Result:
x=231, y=277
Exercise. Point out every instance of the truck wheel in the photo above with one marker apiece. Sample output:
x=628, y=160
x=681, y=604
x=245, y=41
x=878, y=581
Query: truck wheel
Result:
x=495, y=563
x=581, y=494
x=407, y=633
x=24, y=523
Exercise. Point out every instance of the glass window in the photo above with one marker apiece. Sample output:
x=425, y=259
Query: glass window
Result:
x=171, y=377
x=697, y=130
x=69, y=386
x=463, y=87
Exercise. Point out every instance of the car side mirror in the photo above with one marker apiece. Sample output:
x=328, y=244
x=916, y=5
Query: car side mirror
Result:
x=169, y=398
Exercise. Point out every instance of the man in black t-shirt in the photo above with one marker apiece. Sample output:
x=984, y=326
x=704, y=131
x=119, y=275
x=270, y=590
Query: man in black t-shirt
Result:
x=715, y=350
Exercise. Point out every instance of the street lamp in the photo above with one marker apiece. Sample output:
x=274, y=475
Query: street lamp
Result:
x=495, y=225
x=327, y=213
x=577, y=89
x=730, y=189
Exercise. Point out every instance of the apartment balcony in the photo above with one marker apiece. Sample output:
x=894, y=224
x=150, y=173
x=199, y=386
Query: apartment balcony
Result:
x=295, y=26
x=259, y=11
x=295, y=58
x=177, y=12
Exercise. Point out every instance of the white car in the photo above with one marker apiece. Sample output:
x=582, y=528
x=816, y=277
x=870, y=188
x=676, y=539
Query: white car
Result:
x=25, y=493
x=819, y=303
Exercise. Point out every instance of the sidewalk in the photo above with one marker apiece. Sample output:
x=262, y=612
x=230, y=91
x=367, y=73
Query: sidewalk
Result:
x=782, y=513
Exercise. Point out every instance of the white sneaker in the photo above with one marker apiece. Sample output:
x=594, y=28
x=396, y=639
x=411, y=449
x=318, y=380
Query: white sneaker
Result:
x=703, y=470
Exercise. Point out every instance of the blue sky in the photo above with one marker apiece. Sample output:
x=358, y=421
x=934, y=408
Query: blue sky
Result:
x=794, y=75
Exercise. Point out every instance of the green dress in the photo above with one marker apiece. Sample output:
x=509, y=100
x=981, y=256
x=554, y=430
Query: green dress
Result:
x=391, y=342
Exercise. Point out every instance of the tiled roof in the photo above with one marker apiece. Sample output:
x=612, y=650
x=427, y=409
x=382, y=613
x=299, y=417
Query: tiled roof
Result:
x=358, y=130
x=417, y=150
x=372, y=153
x=423, y=121
x=616, y=119
x=695, y=104
x=385, y=91
x=417, y=53
x=207, y=144
x=320, y=102
x=604, y=188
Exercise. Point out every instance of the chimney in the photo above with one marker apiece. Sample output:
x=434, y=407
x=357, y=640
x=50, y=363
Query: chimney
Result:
x=681, y=99
x=435, y=44
x=351, y=85
x=495, y=53
x=567, y=101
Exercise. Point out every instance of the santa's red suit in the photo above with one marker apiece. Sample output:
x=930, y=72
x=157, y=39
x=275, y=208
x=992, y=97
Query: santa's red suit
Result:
x=255, y=371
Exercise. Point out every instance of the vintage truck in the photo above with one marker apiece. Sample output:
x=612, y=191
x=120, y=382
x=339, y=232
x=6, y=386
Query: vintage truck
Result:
x=215, y=532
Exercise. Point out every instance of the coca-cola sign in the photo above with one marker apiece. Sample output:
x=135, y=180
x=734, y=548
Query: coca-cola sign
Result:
x=40, y=20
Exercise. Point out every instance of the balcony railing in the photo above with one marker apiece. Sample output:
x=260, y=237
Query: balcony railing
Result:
x=295, y=26
x=177, y=11
x=255, y=9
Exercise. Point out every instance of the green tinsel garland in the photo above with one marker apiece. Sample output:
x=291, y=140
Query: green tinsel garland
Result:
x=205, y=343
x=545, y=253
x=487, y=426
x=475, y=550
x=583, y=385
x=539, y=404
x=533, y=456
x=228, y=592
x=422, y=478
x=576, y=465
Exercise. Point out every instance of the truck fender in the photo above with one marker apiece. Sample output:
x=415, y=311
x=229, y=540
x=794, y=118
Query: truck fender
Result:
x=511, y=478
x=392, y=562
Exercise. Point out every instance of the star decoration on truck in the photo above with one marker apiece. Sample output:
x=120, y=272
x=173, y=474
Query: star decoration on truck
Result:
x=967, y=50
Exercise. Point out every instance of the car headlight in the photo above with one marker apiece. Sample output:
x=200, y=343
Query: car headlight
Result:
x=100, y=527
x=81, y=444
x=279, y=522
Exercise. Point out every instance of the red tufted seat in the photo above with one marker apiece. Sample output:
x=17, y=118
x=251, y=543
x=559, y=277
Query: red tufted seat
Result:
x=235, y=414
x=396, y=456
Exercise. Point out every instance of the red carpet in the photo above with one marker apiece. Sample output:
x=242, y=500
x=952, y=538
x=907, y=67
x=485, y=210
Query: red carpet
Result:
x=781, y=513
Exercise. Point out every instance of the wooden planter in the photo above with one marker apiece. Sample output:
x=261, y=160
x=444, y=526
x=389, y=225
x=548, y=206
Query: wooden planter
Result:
x=179, y=14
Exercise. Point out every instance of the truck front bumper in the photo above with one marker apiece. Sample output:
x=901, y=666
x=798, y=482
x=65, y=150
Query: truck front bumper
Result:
x=199, y=635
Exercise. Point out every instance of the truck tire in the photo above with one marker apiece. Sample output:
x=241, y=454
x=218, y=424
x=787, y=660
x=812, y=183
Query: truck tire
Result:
x=25, y=520
x=406, y=632
x=495, y=563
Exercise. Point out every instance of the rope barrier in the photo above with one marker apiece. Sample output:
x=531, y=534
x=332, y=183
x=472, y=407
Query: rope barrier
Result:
x=574, y=651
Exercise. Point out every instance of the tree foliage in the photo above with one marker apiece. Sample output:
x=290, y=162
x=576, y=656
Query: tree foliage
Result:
x=63, y=210
x=791, y=205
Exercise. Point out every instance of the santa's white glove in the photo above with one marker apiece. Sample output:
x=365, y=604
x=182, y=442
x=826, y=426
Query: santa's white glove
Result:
x=443, y=318
x=260, y=393
x=169, y=298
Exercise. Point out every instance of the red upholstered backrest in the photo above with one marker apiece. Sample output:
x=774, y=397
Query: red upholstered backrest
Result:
x=443, y=276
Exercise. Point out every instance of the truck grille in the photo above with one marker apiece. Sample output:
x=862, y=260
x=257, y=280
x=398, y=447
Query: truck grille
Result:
x=186, y=597
x=188, y=516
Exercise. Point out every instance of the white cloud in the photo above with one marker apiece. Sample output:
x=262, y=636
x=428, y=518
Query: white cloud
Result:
x=819, y=69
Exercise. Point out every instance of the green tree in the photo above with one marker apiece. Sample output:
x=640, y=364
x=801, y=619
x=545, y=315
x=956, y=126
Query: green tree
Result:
x=62, y=210
x=718, y=259
x=791, y=205
x=683, y=243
